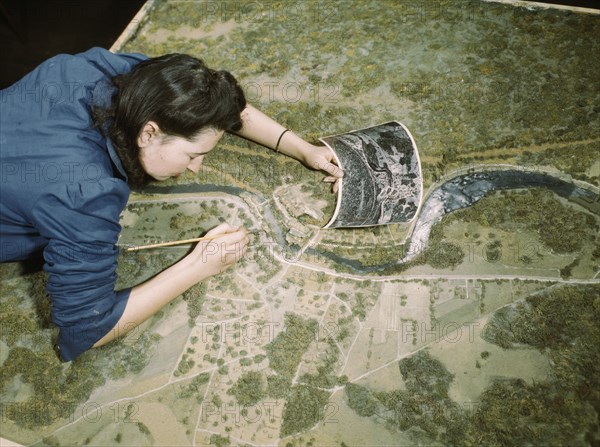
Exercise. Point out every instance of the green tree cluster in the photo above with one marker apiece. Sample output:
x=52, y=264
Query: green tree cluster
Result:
x=194, y=298
x=563, y=322
x=139, y=208
x=195, y=386
x=305, y=402
x=439, y=252
x=574, y=159
x=250, y=388
x=493, y=251
x=513, y=412
x=304, y=408
x=424, y=406
x=361, y=400
x=16, y=323
x=56, y=392
x=442, y=254
x=563, y=229
x=245, y=361
x=130, y=356
x=286, y=350
x=185, y=365
x=278, y=386
x=325, y=376
x=567, y=271
x=219, y=441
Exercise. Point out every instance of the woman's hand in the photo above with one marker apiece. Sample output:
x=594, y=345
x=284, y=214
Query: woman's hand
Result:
x=261, y=129
x=207, y=259
x=211, y=257
x=321, y=158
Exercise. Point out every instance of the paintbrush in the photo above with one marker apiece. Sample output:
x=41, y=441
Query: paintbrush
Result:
x=180, y=242
x=173, y=243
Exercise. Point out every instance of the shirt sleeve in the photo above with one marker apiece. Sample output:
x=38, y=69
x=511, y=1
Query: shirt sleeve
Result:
x=110, y=64
x=81, y=223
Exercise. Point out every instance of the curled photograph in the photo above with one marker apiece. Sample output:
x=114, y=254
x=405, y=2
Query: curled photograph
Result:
x=382, y=183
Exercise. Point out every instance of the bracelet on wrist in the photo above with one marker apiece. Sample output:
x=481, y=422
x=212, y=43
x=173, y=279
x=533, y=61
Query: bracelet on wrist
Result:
x=279, y=139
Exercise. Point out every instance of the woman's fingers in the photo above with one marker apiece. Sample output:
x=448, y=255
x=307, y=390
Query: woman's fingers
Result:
x=322, y=158
x=335, y=183
x=230, y=245
x=227, y=247
x=221, y=229
x=332, y=169
x=233, y=236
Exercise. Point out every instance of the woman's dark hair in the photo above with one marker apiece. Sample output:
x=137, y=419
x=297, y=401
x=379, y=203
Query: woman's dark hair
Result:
x=178, y=92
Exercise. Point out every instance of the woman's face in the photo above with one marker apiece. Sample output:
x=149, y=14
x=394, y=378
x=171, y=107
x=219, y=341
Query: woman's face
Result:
x=164, y=156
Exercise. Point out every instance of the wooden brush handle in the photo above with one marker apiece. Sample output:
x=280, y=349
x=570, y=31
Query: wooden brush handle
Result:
x=169, y=244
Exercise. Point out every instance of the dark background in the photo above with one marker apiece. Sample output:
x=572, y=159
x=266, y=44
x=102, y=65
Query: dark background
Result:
x=31, y=31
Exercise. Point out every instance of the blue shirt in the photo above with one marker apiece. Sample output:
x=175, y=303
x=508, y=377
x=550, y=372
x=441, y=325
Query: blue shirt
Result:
x=62, y=189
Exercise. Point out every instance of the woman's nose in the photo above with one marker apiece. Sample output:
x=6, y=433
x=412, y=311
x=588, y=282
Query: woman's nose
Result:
x=195, y=164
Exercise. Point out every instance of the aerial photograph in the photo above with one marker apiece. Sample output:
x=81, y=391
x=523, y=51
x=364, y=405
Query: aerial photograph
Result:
x=445, y=291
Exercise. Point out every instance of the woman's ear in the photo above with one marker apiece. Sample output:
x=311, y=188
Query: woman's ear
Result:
x=148, y=133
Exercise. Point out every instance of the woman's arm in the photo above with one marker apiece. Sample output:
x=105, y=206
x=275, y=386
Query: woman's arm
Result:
x=207, y=259
x=261, y=129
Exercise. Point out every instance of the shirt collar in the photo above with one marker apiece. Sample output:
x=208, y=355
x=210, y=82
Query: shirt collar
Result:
x=101, y=96
x=112, y=152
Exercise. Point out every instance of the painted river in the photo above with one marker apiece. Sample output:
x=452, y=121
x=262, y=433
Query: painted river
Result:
x=454, y=194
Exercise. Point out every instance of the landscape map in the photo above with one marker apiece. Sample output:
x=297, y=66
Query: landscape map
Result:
x=462, y=309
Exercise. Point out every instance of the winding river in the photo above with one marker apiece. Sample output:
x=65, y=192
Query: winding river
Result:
x=454, y=194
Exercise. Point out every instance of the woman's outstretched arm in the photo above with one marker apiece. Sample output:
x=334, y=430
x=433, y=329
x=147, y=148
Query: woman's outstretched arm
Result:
x=207, y=259
x=261, y=129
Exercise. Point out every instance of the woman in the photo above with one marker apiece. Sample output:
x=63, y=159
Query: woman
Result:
x=75, y=134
